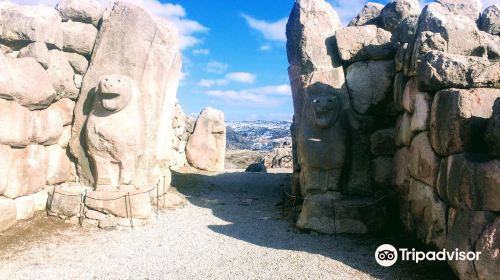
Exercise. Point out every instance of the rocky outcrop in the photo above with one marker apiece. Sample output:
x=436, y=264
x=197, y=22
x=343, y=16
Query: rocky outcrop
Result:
x=206, y=147
x=490, y=20
x=280, y=157
x=368, y=15
x=396, y=11
x=183, y=127
x=88, y=11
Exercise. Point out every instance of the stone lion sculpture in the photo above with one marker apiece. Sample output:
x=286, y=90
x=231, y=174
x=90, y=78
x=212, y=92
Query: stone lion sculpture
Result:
x=322, y=142
x=115, y=131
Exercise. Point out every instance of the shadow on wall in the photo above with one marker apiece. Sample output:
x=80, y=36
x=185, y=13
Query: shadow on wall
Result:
x=250, y=203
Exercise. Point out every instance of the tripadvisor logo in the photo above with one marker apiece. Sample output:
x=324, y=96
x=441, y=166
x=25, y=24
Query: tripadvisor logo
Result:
x=387, y=255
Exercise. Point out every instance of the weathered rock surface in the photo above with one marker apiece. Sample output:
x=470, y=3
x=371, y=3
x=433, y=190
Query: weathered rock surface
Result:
x=25, y=207
x=113, y=202
x=16, y=124
x=79, y=37
x=411, y=90
x=424, y=163
x=395, y=12
x=492, y=135
x=382, y=142
x=489, y=263
x=256, y=167
x=27, y=83
x=28, y=171
x=470, y=181
x=206, y=147
x=490, y=20
x=403, y=130
x=469, y=8
x=87, y=11
x=440, y=70
x=66, y=200
x=59, y=166
x=368, y=15
x=21, y=24
x=47, y=126
x=149, y=56
x=61, y=75
x=369, y=83
x=5, y=163
x=401, y=163
x=464, y=230
x=356, y=43
x=40, y=200
x=7, y=213
x=280, y=156
x=458, y=117
x=78, y=62
x=406, y=30
x=420, y=120
x=382, y=171
x=428, y=214
x=400, y=81
x=38, y=51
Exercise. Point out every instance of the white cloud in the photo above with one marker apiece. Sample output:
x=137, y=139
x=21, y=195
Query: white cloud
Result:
x=273, y=31
x=265, y=48
x=216, y=67
x=268, y=96
x=211, y=83
x=201, y=52
x=241, y=77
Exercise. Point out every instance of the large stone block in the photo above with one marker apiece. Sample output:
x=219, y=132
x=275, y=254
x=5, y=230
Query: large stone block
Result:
x=61, y=75
x=382, y=142
x=21, y=24
x=411, y=90
x=382, y=172
x=87, y=11
x=488, y=265
x=490, y=20
x=25, y=207
x=120, y=203
x=400, y=82
x=368, y=15
x=67, y=200
x=16, y=124
x=403, y=130
x=469, y=8
x=424, y=163
x=28, y=171
x=470, y=181
x=428, y=214
x=47, y=125
x=396, y=11
x=206, y=147
x=5, y=163
x=7, y=213
x=27, y=83
x=78, y=62
x=420, y=120
x=492, y=136
x=79, y=37
x=464, y=230
x=38, y=51
x=458, y=117
x=369, y=83
x=356, y=43
x=439, y=70
x=40, y=200
x=59, y=166
x=401, y=170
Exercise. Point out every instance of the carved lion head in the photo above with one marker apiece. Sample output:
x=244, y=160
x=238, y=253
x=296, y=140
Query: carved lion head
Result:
x=114, y=92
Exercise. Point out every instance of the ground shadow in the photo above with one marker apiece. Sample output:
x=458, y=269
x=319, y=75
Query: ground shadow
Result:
x=250, y=202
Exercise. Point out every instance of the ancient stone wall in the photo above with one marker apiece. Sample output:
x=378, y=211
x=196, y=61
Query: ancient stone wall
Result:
x=425, y=84
x=87, y=97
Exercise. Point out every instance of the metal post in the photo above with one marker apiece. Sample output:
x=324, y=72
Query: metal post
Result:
x=157, y=200
x=130, y=207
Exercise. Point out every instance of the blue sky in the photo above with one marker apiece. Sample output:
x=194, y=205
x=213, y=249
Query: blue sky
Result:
x=234, y=52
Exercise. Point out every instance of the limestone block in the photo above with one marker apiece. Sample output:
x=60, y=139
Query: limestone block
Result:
x=469, y=8
x=28, y=171
x=382, y=142
x=66, y=200
x=8, y=213
x=400, y=82
x=424, y=163
x=78, y=62
x=40, y=200
x=382, y=171
x=411, y=90
x=490, y=20
x=79, y=37
x=5, y=163
x=47, y=125
x=113, y=202
x=61, y=75
x=25, y=207
x=420, y=120
x=38, y=51
x=403, y=130
x=87, y=11
x=401, y=170
x=16, y=124
x=59, y=166
x=357, y=43
x=395, y=12
x=368, y=14
x=489, y=263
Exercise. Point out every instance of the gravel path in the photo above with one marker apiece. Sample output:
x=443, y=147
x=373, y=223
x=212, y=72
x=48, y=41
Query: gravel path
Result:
x=231, y=229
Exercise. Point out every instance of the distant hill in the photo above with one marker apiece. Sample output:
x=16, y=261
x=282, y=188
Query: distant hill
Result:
x=256, y=135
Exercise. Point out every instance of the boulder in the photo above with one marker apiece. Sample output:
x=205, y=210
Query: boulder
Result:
x=136, y=204
x=149, y=55
x=206, y=147
x=428, y=214
x=400, y=58
x=109, y=223
x=16, y=124
x=78, y=79
x=256, y=168
x=395, y=12
x=405, y=32
x=464, y=230
x=5, y=163
x=78, y=62
x=368, y=15
x=29, y=84
x=439, y=70
x=47, y=126
x=411, y=90
x=86, y=11
x=79, y=37
x=420, y=120
x=369, y=83
x=490, y=20
x=59, y=166
x=470, y=181
x=8, y=213
x=61, y=75
x=401, y=171
x=38, y=51
x=492, y=135
x=488, y=265
x=382, y=172
x=280, y=156
x=425, y=42
x=469, y=8
x=357, y=43
x=28, y=171
x=424, y=163
x=400, y=82
x=66, y=200
x=22, y=24
x=458, y=116
x=40, y=199
x=403, y=130
x=65, y=108
x=25, y=207
x=382, y=142
x=65, y=137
